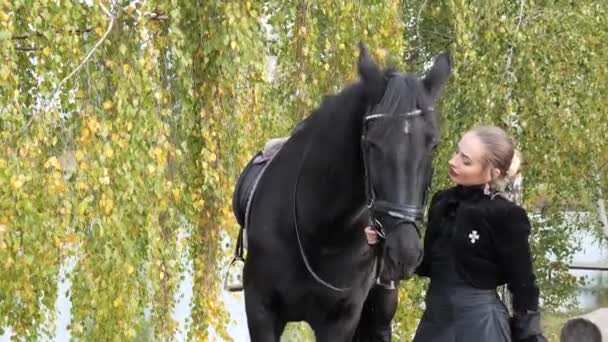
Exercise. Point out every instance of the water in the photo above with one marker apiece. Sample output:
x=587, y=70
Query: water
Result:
x=595, y=293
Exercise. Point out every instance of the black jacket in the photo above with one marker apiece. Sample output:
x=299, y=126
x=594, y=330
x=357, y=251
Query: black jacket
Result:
x=490, y=242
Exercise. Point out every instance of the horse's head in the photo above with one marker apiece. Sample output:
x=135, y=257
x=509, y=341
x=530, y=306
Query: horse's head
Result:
x=399, y=134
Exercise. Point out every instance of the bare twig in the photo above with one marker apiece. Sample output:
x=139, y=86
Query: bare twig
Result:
x=418, y=19
x=105, y=10
x=26, y=48
x=24, y=36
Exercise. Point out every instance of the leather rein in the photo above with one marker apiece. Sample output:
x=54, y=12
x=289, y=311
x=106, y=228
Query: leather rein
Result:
x=403, y=213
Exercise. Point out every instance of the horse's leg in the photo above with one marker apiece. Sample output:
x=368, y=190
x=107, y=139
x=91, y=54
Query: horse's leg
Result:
x=263, y=323
x=341, y=330
x=378, y=312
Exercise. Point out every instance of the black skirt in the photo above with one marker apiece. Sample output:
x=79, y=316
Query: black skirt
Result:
x=455, y=310
x=463, y=314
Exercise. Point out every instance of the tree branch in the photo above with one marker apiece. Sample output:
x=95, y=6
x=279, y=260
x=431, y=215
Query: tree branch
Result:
x=24, y=36
x=26, y=48
x=601, y=207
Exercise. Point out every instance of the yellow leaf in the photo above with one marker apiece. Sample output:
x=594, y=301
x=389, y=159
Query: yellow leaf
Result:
x=157, y=152
x=381, y=53
x=108, y=105
x=80, y=185
x=3, y=228
x=108, y=207
x=79, y=155
x=46, y=51
x=71, y=238
x=85, y=133
x=93, y=124
x=53, y=162
x=28, y=291
x=108, y=152
x=151, y=168
x=130, y=269
x=16, y=182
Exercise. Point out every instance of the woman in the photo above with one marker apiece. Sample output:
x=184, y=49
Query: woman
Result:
x=476, y=240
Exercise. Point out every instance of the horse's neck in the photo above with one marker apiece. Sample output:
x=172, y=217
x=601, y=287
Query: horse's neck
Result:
x=332, y=183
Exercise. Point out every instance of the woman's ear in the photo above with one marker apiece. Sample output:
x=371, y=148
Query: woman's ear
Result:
x=495, y=173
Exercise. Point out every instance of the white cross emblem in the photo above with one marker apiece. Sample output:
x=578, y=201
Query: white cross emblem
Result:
x=473, y=236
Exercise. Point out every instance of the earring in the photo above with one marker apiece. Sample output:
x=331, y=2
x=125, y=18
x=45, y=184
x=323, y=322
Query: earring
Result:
x=486, y=189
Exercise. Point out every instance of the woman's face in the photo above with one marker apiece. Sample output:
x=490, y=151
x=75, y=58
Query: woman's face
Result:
x=467, y=166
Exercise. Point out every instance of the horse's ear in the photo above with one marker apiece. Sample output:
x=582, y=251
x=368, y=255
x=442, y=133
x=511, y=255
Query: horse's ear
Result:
x=369, y=71
x=438, y=75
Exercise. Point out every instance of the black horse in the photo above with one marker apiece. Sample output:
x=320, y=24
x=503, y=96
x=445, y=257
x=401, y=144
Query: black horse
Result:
x=364, y=156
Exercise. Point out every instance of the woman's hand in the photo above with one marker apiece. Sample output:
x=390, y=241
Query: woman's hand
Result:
x=372, y=235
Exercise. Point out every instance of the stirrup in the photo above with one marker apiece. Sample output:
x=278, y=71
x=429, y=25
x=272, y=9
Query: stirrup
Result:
x=233, y=281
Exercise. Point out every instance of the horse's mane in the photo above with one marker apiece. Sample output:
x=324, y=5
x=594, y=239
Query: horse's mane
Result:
x=355, y=97
x=332, y=107
x=393, y=99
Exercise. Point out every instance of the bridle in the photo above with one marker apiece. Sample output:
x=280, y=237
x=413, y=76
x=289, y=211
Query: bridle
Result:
x=405, y=214
x=402, y=212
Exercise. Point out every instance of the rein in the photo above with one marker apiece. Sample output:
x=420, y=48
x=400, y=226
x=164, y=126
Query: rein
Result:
x=295, y=220
x=404, y=213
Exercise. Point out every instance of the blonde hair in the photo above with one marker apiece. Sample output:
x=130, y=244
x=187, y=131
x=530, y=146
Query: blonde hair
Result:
x=500, y=155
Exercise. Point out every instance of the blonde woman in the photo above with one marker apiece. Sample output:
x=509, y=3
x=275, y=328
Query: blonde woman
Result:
x=476, y=240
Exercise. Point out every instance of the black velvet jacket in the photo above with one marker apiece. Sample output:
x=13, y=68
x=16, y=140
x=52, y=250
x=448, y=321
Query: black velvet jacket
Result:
x=490, y=242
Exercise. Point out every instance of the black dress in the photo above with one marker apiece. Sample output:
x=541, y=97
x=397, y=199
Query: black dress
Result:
x=456, y=311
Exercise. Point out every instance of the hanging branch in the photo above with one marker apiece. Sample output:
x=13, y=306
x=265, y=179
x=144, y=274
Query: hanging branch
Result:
x=84, y=61
x=515, y=191
x=509, y=73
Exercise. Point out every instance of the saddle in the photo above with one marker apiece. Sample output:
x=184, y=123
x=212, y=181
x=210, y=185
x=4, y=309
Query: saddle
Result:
x=247, y=182
x=244, y=191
